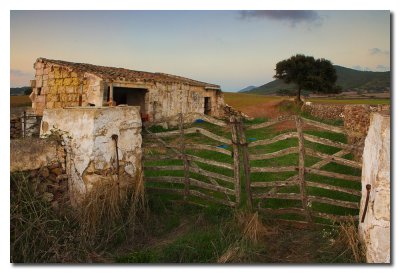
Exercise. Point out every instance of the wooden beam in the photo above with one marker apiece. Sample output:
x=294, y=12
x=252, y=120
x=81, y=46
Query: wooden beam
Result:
x=273, y=169
x=333, y=188
x=329, y=142
x=332, y=158
x=301, y=180
x=283, y=152
x=331, y=128
x=273, y=140
x=333, y=175
x=334, y=202
x=236, y=159
x=270, y=122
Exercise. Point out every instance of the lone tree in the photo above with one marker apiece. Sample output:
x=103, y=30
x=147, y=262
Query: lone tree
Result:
x=318, y=76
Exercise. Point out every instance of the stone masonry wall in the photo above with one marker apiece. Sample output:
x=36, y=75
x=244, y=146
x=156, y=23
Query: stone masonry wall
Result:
x=15, y=127
x=42, y=162
x=57, y=86
x=324, y=111
x=88, y=134
x=375, y=231
x=60, y=86
x=356, y=118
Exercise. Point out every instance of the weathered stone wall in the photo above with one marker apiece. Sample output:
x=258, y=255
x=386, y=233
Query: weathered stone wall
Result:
x=375, y=231
x=324, y=111
x=15, y=127
x=42, y=162
x=91, y=151
x=58, y=86
x=169, y=100
x=356, y=118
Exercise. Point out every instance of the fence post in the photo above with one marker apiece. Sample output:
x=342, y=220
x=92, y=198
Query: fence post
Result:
x=24, y=120
x=299, y=126
x=246, y=163
x=236, y=159
x=184, y=158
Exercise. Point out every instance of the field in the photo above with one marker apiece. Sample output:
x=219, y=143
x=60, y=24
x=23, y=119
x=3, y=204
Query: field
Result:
x=268, y=106
x=20, y=101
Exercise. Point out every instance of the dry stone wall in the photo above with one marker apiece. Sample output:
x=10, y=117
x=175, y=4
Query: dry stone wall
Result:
x=356, y=118
x=42, y=163
x=15, y=127
x=375, y=230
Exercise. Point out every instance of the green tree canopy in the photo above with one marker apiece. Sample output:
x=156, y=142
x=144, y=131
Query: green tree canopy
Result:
x=317, y=76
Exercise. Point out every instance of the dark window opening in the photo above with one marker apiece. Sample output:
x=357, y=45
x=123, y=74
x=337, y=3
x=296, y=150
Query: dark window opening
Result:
x=39, y=91
x=207, y=105
x=130, y=96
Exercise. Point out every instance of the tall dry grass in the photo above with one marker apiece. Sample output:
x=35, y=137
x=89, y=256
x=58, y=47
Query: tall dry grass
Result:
x=41, y=234
x=253, y=231
x=348, y=236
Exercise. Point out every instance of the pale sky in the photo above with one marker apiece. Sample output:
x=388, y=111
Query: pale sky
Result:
x=231, y=48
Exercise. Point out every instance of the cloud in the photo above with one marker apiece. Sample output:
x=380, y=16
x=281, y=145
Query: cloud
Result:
x=377, y=68
x=20, y=78
x=361, y=68
x=383, y=68
x=378, y=51
x=291, y=16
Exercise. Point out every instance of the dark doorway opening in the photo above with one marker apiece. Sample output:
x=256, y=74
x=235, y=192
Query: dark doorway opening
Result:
x=207, y=105
x=130, y=96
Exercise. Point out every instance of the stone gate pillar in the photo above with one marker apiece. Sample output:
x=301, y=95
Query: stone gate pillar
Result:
x=375, y=230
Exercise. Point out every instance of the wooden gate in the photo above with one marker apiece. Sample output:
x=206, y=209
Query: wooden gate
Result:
x=193, y=161
x=302, y=171
x=291, y=168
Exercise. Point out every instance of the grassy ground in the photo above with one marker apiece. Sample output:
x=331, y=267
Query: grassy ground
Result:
x=189, y=234
x=260, y=106
x=350, y=101
x=18, y=101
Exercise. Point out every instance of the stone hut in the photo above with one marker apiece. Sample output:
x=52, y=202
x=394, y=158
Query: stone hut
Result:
x=60, y=84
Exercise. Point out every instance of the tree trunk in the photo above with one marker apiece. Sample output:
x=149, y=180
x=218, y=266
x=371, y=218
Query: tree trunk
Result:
x=298, y=95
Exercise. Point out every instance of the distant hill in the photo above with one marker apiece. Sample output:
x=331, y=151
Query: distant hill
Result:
x=17, y=91
x=348, y=79
x=248, y=88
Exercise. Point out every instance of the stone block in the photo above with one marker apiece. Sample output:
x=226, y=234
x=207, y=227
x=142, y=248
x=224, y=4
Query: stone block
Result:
x=38, y=65
x=45, y=90
x=66, y=74
x=53, y=90
x=69, y=89
x=381, y=205
x=61, y=89
x=39, y=72
x=67, y=81
x=59, y=82
x=57, y=74
x=75, y=82
x=50, y=104
x=51, y=82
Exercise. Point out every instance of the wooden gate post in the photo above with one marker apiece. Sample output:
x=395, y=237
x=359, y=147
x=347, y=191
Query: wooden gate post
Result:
x=184, y=158
x=246, y=163
x=299, y=126
x=24, y=130
x=236, y=159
